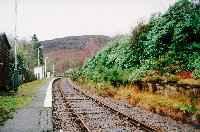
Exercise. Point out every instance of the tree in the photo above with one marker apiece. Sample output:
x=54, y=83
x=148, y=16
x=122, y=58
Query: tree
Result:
x=37, y=46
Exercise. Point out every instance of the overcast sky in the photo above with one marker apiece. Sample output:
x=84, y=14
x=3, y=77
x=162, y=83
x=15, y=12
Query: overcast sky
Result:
x=58, y=18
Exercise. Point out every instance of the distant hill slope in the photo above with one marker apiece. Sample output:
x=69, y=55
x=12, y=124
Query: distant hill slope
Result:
x=72, y=51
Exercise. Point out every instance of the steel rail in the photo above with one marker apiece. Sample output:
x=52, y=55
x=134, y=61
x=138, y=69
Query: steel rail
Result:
x=145, y=127
x=82, y=124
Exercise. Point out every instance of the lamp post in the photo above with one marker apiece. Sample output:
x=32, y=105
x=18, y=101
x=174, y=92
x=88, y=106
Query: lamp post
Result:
x=38, y=56
x=53, y=70
x=41, y=47
x=45, y=67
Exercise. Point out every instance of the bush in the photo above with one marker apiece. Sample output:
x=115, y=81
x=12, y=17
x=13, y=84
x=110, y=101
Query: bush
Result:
x=29, y=76
x=196, y=73
x=169, y=43
x=187, y=108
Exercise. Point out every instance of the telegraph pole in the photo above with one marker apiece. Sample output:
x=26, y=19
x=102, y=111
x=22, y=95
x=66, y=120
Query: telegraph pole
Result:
x=15, y=33
x=15, y=79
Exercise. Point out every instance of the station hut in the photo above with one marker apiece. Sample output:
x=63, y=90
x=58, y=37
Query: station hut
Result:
x=4, y=60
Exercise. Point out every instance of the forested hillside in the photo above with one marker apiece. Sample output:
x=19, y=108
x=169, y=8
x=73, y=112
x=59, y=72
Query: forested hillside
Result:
x=72, y=51
x=168, y=45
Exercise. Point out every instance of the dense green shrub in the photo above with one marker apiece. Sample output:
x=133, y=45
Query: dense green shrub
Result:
x=186, y=108
x=169, y=43
x=28, y=76
x=19, y=76
x=174, y=34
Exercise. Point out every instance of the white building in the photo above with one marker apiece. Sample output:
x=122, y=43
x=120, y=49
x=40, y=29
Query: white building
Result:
x=48, y=74
x=39, y=72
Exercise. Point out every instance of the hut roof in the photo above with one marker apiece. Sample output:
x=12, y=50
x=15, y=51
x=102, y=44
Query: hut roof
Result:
x=3, y=39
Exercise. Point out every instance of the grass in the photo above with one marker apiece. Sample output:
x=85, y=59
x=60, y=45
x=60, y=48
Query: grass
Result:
x=7, y=107
x=190, y=81
x=26, y=92
x=8, y=104
x=178, y=107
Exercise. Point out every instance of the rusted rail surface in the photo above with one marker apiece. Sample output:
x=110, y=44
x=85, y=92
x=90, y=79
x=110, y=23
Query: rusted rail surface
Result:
x=89, y=109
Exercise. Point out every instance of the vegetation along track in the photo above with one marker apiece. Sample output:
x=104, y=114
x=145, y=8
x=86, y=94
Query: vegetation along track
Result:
x=73, y=110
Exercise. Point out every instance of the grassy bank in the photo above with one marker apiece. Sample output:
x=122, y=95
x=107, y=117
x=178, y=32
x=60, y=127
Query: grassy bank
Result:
x=8, y=104
x=178, y=107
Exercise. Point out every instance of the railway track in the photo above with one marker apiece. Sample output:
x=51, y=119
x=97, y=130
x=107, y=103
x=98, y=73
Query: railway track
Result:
x=73, y=110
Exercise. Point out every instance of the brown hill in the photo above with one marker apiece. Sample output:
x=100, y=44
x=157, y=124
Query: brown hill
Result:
x=72, y=51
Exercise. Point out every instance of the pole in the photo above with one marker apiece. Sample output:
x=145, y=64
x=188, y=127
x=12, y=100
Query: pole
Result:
x=38, y=57
x=15, y=79
x=15, y=32
x=53, y=70
x=45, y=67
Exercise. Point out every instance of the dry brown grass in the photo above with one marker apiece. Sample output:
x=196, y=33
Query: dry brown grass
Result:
x=189, y=81
x=164, y=105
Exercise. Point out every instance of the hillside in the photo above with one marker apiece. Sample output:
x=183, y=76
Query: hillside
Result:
x=168, y=45
x=152, y=67
x=72, y=51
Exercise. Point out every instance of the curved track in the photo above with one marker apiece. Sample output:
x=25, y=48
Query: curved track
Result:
x=73, y=110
